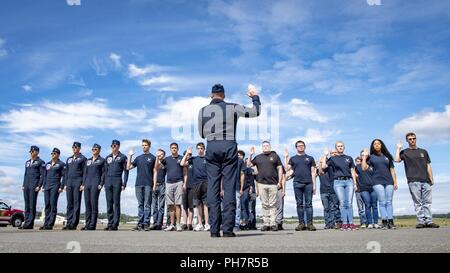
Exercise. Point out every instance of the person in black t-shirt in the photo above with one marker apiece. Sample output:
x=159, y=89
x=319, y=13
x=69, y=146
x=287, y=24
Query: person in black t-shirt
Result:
x=269, y=178
x=420, y=179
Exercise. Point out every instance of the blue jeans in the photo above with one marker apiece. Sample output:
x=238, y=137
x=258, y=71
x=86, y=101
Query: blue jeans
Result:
x=144, y=198
x=158, y=202
x=385, y=194
x=303, y=197
x=344, y=190
x=371, y=204
x=252, y=209
x=330, y=204
x=245, y=210
x=361, y=211
x=421, y=195
x=237, y=217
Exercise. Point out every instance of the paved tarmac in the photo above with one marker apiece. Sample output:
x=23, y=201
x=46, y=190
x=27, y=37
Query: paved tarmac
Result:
x=289, y=240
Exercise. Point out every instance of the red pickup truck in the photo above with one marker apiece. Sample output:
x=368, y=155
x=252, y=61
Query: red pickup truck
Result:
x=10, y=216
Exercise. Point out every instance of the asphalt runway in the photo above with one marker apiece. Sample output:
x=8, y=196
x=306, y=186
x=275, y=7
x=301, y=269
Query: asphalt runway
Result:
x=400, y=240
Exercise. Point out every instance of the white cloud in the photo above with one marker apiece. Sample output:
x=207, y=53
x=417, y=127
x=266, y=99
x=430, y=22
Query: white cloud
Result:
x=85, y=92
x=27, y=87
x=115, y=58
x=305, y=110
x=60, y=116
x=156, y=77
x=100, y=66
x=428, y=125
x=74, y=81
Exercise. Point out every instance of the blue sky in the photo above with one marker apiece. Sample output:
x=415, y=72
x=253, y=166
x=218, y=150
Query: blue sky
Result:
x=327, y=70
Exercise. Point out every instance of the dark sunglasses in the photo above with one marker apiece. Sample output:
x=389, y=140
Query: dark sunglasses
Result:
x=94, y=149
x=54, y=153
x=412, y=138
x=114, y=145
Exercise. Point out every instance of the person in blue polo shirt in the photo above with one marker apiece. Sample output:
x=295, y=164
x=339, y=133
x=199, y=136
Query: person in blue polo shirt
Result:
x=344, y=176
x=384, y=179
x=199, y=184
x=159, y=192
x=73, y=180
x=328, y=196
x=145, y=164
x=304, y=168
x=32, y=182
x=52, y=186
x=115, y=167
x=175, y=186
x=93, y=181
x=369, y=196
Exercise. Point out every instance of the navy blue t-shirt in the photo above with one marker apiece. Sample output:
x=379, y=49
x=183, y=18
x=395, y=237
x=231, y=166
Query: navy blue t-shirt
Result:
x=161, y=173
x=365, y=182
x=144, y=164
x=381, y=166
x=241, y=169
x=301, y=164
x=326, y=182
x=341, y=166
x=174, y=170
x=198, y=169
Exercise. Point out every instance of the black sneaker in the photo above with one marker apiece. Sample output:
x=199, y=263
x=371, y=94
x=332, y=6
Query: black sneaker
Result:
x=65, y=228
x=300, y=227
x=48, y=228
x=274, y=228
x=113, y=229
x=215, y=235
x=420, y=225
x=107, y=229
x=265, y=228
x=229, y=234
x=83, y=228
x=184, y=227
x=190, y=227
x=42, y=228
x=432, y=225
x=311, y=227
x=280, y=227
x=146, y=228
x=391, y=224
x=384, y=224
x=72, y=228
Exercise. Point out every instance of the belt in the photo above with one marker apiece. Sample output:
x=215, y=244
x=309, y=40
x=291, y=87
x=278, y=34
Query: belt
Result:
x=343, y=178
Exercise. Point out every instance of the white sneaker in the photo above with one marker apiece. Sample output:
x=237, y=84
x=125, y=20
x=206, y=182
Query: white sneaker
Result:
x=179, y=228
x=198, y=227
x=362, y=226
x=376, y=226
x=370, y=226
x=169, y=228
x=207, y=227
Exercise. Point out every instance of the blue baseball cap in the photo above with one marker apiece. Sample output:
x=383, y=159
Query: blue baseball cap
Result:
x=115, y=142
x=34, y=148
x=76, y=144
x=97, y=146
x=56, y=150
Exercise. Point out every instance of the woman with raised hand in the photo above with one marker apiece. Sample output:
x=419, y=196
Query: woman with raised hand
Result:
x=384, y=179
x=342, y=168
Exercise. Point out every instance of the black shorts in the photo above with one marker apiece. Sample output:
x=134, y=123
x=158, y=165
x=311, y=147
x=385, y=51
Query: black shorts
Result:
x=188, y=199
x=200, y=193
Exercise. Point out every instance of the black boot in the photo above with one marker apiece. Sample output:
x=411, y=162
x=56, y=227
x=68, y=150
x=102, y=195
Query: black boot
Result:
x=384, y=224
x=391, y=224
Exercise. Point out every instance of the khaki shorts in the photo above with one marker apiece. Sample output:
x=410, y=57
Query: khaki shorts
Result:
x=174, y=193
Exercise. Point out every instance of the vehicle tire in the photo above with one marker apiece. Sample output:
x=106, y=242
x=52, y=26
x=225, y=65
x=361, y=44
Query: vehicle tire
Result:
x=16, y=221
